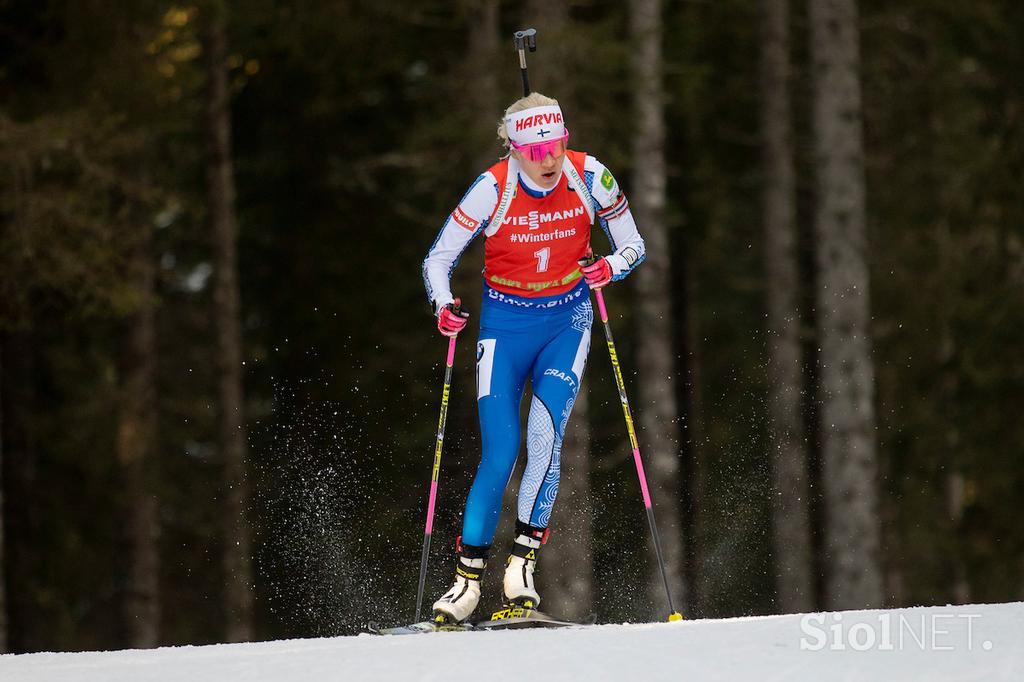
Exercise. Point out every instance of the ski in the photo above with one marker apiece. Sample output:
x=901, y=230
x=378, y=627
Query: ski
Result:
x=513, y=616
x=509, y=617
x=534, y=620
x=418, y=628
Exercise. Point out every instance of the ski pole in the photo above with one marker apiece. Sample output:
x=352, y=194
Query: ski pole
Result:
x=524, y=40
x=673, y=614
x=434, y=474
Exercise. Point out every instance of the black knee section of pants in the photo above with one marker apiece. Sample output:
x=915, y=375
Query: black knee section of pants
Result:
x=529, y=531
x=471, y=551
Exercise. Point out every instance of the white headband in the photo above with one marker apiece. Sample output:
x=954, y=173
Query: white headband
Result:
x=535, y=125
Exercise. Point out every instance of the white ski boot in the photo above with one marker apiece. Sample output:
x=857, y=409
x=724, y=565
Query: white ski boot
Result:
x=519, y=586
x=458, y=603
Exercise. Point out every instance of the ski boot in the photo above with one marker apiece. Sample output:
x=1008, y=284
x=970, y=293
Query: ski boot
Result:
x=458, y=603
x=519, y=588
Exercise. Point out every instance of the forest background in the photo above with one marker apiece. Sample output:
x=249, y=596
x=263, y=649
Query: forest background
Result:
x=221, y=378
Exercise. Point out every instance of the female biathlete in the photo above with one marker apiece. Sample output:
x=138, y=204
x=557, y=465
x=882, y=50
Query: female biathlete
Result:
x=535, y=208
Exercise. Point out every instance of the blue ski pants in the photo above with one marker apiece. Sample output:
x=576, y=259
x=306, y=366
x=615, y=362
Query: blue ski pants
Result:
x=544, y=339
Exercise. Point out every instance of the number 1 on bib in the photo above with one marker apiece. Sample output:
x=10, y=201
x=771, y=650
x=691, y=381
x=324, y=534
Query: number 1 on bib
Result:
x=542, y=258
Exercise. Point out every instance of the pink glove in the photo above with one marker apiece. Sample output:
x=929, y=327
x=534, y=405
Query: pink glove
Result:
x=598, y=273
x=452, y=319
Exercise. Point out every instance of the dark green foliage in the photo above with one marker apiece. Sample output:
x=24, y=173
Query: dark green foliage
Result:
x=945, y=144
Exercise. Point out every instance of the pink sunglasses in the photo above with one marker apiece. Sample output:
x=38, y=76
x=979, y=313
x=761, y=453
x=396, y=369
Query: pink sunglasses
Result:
x=537, y=151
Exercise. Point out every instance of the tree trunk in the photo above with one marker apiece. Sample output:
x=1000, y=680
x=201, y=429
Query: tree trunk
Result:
x=568, y=557
x=849, y=463
x=790, y=520
x=3, y=580
x=955, y=496
x=485, y=107
x=21, y=493
x=657, y=405
x=484, y=40
x=567, y=568
x=237, y=559
x=956, y=488
x=684, y=281
x=553, y=74
x=136, y=436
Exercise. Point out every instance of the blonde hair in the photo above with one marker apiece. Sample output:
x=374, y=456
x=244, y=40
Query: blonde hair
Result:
x=534, y=99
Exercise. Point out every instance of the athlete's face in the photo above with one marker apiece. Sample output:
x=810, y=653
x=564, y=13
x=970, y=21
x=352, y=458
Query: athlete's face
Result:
x=544, y=173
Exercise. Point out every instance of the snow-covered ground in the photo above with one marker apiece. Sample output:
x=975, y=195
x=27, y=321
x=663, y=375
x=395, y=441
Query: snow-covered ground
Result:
x=936, y=644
